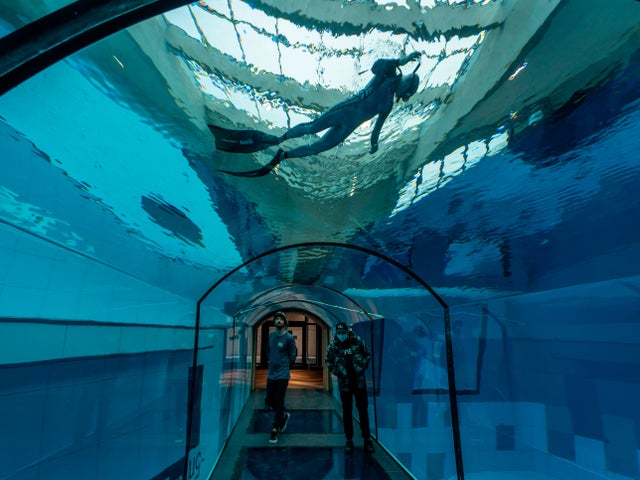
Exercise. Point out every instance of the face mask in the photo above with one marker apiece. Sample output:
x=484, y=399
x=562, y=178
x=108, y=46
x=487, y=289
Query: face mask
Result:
x=341, y=336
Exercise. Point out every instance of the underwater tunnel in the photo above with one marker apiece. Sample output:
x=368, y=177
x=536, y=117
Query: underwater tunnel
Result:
x=479, y=230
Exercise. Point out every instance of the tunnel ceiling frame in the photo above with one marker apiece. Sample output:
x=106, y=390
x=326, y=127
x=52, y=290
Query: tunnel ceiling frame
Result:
x=51, y=38
x=299, y=306
x=257, y=317
x=346, y=246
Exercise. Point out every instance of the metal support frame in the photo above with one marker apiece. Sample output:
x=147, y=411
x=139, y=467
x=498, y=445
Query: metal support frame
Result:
x=43, y=42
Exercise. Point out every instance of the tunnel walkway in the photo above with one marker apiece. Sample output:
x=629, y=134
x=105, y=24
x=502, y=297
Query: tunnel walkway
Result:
x=311, y=447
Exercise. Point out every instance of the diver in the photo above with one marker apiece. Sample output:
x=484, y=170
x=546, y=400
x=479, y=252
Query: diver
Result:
x=376, y=98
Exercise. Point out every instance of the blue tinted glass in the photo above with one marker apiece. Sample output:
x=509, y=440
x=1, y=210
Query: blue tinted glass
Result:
x=165, y=190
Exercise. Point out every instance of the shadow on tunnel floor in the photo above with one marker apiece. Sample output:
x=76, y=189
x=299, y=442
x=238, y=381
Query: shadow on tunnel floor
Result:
x=302, y=463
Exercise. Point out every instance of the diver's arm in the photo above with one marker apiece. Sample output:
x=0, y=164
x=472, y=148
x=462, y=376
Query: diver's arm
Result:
x=409, y=58
x=375, y=133
x=386, y=67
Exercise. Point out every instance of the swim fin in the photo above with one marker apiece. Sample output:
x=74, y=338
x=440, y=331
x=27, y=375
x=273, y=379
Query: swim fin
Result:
x=260, y=172
x=242, y=141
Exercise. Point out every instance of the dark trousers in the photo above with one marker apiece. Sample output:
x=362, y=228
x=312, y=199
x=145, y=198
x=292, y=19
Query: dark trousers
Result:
x=362, y=403
x=276, y=391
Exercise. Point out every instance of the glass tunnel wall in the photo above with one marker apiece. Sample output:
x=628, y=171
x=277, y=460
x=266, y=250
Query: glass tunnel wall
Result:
x=96, y=346
x=94, y=366
x=96, y=343
x=399, y=319
x=96, y=357
x=558, y=385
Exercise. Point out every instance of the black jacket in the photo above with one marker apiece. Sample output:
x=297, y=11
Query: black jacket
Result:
x=340, y=355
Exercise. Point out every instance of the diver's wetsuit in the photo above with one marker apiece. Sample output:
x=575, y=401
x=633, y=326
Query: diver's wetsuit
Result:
x=342, y=119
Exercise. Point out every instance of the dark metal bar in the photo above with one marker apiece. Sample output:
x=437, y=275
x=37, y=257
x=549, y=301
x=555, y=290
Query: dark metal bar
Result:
x=191, y=393
x=453, y=400
x=43, y=42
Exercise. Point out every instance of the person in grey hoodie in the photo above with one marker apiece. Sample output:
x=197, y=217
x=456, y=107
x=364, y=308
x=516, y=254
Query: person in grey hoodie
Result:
x=282, y=354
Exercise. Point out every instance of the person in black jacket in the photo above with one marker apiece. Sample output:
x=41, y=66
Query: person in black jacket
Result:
x=348, y=358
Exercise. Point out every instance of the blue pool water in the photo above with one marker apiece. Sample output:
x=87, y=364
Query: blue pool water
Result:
x=498, y=222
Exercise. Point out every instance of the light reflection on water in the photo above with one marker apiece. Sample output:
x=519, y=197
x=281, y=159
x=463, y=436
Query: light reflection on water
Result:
x=513, y=178
x=529, y=219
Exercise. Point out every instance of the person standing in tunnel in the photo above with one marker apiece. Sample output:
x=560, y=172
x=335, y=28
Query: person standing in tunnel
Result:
x=282, y=354
x=348, y=359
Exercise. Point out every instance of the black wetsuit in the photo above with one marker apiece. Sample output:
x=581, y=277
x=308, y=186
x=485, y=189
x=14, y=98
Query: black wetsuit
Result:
x=342, y=119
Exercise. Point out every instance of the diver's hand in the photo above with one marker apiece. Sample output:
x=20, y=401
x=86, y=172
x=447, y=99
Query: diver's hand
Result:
x=410, y=58
x=374, y=148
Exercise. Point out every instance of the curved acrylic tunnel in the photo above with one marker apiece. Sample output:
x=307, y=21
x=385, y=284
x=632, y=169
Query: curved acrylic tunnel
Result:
x=488, y=252
x=409, y=305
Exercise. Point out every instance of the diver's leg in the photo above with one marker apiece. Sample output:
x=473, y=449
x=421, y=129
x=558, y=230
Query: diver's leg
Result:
x=332, y=138
x=242, y=141
x=262, y=171
x=329, y=140
x=326, y=120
